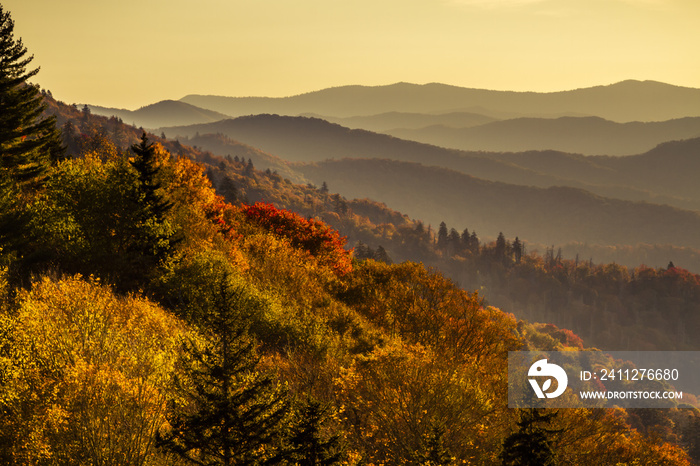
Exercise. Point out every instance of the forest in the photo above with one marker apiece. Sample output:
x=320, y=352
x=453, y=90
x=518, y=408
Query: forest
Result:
x=147, y=319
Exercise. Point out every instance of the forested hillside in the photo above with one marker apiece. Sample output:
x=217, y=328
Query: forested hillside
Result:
x=652, y=306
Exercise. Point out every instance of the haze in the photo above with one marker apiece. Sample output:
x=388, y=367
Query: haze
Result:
x=131, y=53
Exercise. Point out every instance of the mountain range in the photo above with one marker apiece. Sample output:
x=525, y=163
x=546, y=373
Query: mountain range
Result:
x=623, y=101
x=529, y=171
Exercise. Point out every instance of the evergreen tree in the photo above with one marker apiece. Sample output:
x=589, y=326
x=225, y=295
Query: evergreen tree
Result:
x=28, y=142
x=382, y=256
x=339, y=205
x=154, y=237
x=453, y=241
x=250, y=168
x=227, y=188
x=531, y=444
x=14, y=218
x=434, y=451
x=517, y=250
x=324, y=188
x=466, y=239
x=501, y=246
x=474, y=243
x=146, y=166
x=442, y=236
x=308, y=445
x=362, y=251
x=233, y=414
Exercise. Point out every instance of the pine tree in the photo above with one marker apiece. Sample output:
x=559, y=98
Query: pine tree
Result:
x=382, y=256
x=28, y=142
x=434, y=451
x=362, y=251
x=339, y=205
x=500, y=250
x=518, y=250
x=250, y=168
x=308, y=445
x=474, y=243
x=442, y=236
x=453, y=241
x=155, y=237
x=227, y=188
x=466, y=239
x=233, y=413
x=531, y=444
x=147, y=169
x=14, y=219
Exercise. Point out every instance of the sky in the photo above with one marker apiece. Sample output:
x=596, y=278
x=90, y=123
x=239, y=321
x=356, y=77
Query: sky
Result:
x=131, y=53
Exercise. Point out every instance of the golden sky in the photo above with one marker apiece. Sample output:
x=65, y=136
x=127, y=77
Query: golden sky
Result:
x=130, y=53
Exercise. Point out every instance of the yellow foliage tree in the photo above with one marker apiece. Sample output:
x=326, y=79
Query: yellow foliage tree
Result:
x=88, y=374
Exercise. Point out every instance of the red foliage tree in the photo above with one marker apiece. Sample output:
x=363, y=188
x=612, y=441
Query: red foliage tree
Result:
x=320, y=240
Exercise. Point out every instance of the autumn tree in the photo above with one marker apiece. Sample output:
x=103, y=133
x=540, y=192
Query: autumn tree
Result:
x=84, y=375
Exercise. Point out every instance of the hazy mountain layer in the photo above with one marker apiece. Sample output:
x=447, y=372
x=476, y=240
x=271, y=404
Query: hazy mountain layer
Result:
x=584, y=135
x=390, y=121
x=554, y=215
x=668, y=172
x=624, y=101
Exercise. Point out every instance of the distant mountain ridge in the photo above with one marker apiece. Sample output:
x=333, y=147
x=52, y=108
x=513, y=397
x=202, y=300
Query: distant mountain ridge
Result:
x=624, y=101
x=166, y=112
